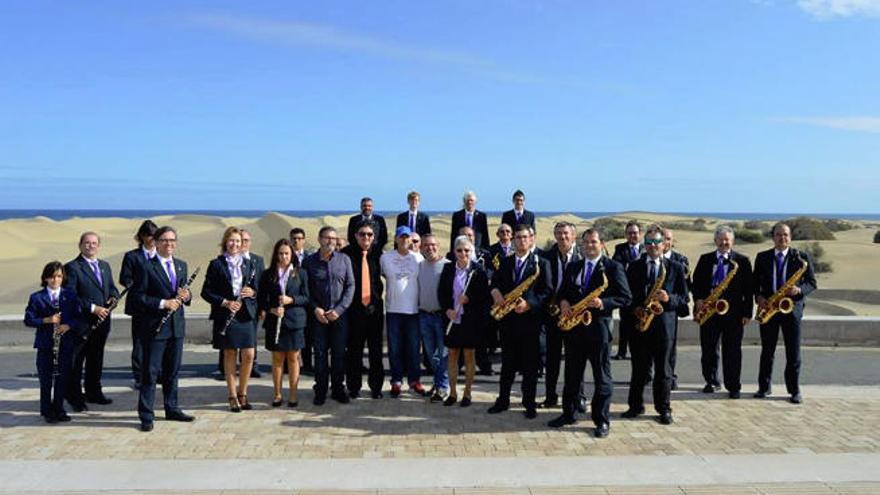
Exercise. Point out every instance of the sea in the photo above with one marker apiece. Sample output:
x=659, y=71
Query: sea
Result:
x=59, y=215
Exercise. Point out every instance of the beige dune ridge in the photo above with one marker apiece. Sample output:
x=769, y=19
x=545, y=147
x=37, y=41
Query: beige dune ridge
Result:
x=850, y=289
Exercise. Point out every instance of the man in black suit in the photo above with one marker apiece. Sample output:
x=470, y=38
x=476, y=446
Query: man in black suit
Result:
x=773, y=268
x=132, y=262
x=417, y=221
x=519, y=214
x=521, y=328
x=671, y=254
x=92, y=281
x=492, y=257
x=654, y=345
x=479, y=254
x=160, y=289
x=563, y=253
x=625, y=253
x=366, y=315
x=725, y=330
x=591, y=342
x=297, y=237
x=367, y=215
x=469, y=216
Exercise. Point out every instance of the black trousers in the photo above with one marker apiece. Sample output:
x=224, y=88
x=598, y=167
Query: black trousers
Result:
x=159, y=357
x=52, y=387
x=625, y=331
x=593, y=344
x=330, y=342
x=307, y=352
x=651, y=347
x=136, y=353
x=364, y=328
x=520, y=341
x=791, y=335
x=88, y=353
x=673, y=356
x=553, y=356
x=721, y=339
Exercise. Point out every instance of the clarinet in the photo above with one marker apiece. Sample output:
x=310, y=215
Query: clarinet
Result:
x=178, y=299
x=281, y=318
x=113, y=303
x=56, y=338
x=238, y=300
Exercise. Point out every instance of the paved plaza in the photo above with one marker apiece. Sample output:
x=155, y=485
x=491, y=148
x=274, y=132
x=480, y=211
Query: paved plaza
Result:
x=829, y=444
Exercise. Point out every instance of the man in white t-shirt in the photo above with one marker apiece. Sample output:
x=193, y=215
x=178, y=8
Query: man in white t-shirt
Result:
x=401, y=271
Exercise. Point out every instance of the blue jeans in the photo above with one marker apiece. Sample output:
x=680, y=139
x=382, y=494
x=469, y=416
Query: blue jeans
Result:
x=330, y=341
x=433, y=332
x=403, y=346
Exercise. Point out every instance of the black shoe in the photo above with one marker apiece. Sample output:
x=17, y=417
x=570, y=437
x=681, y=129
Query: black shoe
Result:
x=136, y=385
x=666, y=418
x=485, y=372
x=50, y=418
x=498, y=407
x=581, y=406
x=674, y=385
x=255, y=373
x=99, y=399
x=450, y=400
x=761, y=394
x=277, y=402
x=709, y=389
x=340, y=397
x=561, y=421
x=354, y=394
x=293, y=404
x=549, y=401
x=78, y=406
x=601, y=431
x=376, y=394
x=796, y=398
x=733, y=394
x=436, y=397
x=220, y=377
x=319, y=400
x=633, y=413
x=465, y=402
x=62, y=417
x=530, y=413
x=619, y=357
x=146, y=426
x=179, y=416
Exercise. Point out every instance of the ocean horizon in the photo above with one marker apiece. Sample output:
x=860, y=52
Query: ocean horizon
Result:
x=66, y=214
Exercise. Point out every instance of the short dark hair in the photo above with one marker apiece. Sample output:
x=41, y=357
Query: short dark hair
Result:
x=49, y=272
x=364, y=223
x=326, y=228
x=365, y=199
x=521, y=227
x=147, y=229
x=591, y=231
x=778, y=225
x=164, y=230
x=633, y=223
x=296, y=230
x=518, y=193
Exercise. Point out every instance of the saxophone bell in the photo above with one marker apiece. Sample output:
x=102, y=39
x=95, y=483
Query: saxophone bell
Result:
x=722, y=306
x=785, y=305
x=655, y=308
x=587, y=319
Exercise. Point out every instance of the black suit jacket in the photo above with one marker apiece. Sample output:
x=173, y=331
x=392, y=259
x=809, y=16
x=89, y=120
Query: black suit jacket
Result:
x=297, y=287
x=509, y=217
x=616, y=295
x=380, y=230
x=623, y=255
x=765, y=265
x=476, y=312
x=355, y=253
x=674, y=285
x=495, y=249
x=423, y=223
x=218, y=286
x=480, y=226
x=738, y=293
x=132, y=262
x=686, y=263
x=151, y=285
x=537, y=294
x=552, y=257
x=40, y=306
x=81, y=280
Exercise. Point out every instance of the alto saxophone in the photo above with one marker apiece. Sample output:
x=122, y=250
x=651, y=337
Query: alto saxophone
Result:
x=499, y=311
x=779, y=302
x=580, y=313
x=645, y=315
x=713, y=304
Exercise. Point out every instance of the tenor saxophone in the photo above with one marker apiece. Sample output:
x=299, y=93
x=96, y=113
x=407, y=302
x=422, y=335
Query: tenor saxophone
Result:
x=580, y=313
x=499, y=311
x=645, y=315
x=713, y=304
x=779, y=302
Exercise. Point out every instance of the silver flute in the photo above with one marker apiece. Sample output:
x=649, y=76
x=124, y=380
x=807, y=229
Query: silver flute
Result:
x=458, y=305
x=281, y=318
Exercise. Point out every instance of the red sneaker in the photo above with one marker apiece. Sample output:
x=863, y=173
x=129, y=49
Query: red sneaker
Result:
x=417, y=388
x=395, y=390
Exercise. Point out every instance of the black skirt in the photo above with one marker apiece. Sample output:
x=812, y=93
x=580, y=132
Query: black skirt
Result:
x=461, y=337
x=291, y=339
x=239, y=335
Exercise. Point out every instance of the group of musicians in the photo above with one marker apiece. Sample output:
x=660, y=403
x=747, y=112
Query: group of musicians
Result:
x=322, y=308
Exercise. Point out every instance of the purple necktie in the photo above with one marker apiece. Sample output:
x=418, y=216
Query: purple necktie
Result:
x=780, y=268
x=412, y=222
x=719, y=272
x=171, y=276
x=518, y=218
x=54, y=299
x=97, y=271
x=587, y=274
x=469, y=219
x=519, y=267
x=634, y=253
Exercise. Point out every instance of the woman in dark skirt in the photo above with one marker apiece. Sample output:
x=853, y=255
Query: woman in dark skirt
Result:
x=284, y=294
x=229, y=289
x=464, y=296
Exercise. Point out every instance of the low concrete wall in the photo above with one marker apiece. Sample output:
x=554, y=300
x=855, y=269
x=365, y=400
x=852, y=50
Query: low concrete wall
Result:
x=817, y=330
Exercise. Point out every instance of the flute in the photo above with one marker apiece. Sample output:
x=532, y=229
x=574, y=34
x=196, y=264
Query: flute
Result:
x=178, y=299
x=238, y=300
x=458, y=305
x=281, y=318
x=113, y=303
x=56, y=337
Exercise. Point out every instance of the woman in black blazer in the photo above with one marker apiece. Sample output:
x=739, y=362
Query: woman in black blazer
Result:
x=284, y=294
x=463, y=293
x=229, y=288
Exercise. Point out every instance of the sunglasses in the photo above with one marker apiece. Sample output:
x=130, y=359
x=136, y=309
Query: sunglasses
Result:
x=462, y=250
x=365, y=234
x=649, y=242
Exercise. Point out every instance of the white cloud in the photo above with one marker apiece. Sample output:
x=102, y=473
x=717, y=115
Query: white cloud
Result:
x=857, y=124
x=332, y=38
x=829, y=9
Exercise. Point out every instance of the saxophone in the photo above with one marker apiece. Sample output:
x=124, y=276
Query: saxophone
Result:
x=580, y=312
x=645, y=315
x=496, y=260
x=779, y=302
x=713, y=303
x=499, y=311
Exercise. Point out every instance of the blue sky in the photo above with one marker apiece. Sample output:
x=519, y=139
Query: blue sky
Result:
x=674, y=105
